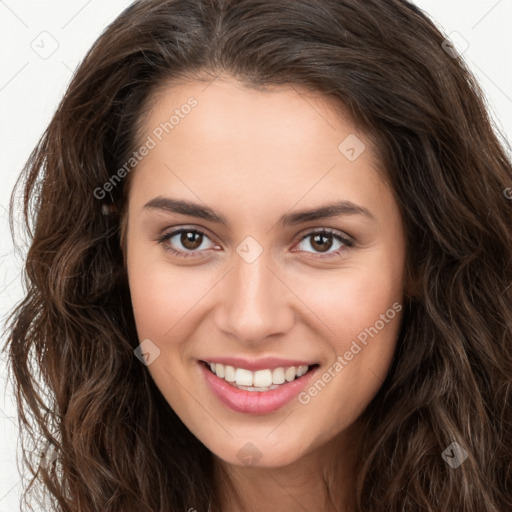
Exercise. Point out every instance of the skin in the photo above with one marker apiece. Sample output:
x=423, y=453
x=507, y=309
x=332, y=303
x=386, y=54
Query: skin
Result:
x=254, y=156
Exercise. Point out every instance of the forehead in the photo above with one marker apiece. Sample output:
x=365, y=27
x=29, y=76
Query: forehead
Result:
x=225, y=108
x=282, y=144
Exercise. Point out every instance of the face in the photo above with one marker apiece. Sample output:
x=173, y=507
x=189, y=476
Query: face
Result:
x=231, y=269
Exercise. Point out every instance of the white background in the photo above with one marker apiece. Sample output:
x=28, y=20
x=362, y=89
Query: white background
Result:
x=31, y=86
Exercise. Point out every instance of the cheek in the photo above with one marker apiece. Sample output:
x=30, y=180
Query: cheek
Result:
x=361, y=314
x=161, y=299
x=153, y=305
x=161, y=293
x=363, y=345
x=360, y=311
x=350, y=301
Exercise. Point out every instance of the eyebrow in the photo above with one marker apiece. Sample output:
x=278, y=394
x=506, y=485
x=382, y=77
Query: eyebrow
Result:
x=191, y=209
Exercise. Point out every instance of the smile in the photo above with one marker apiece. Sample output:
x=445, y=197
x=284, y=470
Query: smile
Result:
x=260, y=380
x=256, y=392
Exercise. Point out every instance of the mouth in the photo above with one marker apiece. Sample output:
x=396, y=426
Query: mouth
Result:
x=256, y=392
x=259, y=380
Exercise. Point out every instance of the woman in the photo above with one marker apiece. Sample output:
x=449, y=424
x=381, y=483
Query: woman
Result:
x=205, y=345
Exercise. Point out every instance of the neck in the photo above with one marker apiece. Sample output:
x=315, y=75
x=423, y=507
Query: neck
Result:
x=320, y=480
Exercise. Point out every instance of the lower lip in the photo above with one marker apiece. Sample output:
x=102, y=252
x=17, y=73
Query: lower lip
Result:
x=255, y=402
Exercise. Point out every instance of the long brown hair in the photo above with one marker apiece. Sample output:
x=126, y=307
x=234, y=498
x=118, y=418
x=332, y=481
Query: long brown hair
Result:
x=118, y=444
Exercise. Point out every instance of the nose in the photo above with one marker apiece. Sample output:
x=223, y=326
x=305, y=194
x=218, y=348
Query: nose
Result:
x=255, y=302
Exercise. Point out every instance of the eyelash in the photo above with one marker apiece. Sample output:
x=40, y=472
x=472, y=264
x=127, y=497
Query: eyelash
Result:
x=347, y=243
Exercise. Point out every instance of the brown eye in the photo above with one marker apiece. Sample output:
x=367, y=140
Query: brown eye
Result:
x=322, y=241
x=191, y=240
x=184, y=242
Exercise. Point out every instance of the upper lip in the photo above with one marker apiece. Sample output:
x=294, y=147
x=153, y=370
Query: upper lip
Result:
x=263, y=363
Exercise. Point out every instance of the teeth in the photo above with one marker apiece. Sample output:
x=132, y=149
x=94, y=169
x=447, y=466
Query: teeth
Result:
x=229, y=373
x=260, y=380
x=220, y=371
x=278, y=376
x=301, y=370
x=251, y=388
x=242, y=377
x=290, y=373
